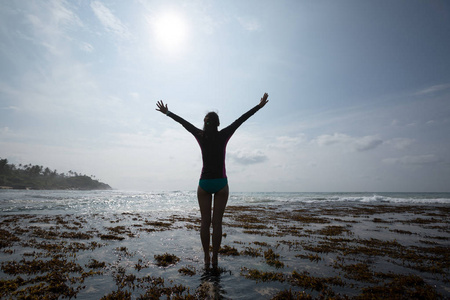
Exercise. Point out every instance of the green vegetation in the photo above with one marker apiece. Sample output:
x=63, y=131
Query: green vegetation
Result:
x=40, y=178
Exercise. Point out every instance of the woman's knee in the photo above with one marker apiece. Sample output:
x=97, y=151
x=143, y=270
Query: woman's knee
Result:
x=206, y=222
x=217, y=223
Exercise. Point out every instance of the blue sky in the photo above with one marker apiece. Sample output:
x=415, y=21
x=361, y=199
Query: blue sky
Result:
x=359, y=91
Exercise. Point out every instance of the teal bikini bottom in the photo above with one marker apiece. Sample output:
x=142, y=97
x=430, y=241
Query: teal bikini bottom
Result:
x=212, y=186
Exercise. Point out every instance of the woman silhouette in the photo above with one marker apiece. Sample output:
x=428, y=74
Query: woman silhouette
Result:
x=213, y=179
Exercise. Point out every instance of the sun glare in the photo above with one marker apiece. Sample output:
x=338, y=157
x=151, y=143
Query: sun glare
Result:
x=171, y=31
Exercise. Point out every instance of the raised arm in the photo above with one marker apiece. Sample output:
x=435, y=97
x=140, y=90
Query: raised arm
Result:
x=248, y=114
x=165, y=110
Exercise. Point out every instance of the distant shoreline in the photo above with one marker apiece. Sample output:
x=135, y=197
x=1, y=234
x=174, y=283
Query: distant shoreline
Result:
x=29, y=177
x=55, y=189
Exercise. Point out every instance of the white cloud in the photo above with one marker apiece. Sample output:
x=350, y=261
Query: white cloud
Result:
x=86, y=47
x=249, y=24
x=414, y=160
x=433, y=89
x=135, y=95
x=326, y=139
x=66, y=87
x=109, y=20
x=62, y=14
x=367, y=143
x=245, y=157
x=54, y=16
x=46, y=24
x=359, y=144
x=288, y=142
x=4, y=131
x=401, y=143
x=10, y=107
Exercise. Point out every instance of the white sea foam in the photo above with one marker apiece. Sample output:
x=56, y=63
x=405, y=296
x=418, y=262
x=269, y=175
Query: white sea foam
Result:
x=311, y=198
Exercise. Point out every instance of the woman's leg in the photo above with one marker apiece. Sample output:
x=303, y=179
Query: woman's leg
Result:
x=205, y=201
x=220, y=202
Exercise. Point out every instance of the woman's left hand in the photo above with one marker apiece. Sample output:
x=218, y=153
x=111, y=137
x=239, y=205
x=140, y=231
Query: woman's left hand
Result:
x=264, y=100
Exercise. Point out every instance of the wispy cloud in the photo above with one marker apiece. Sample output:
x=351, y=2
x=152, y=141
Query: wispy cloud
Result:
x=54, y=16
x=433, y=89
x=401, y=143
x=86, y=47
x=249, y=24
x=11, y=107
x=48, y=24
x=288, y=142
x=359, y=144
x=110, y=21
x=62, y=14
x=248, y=157
x=326, y=139
x=4, y=130
x=414, y=160
x=367, y=143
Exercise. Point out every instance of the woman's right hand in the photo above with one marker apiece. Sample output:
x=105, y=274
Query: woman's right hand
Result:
x=161, y=107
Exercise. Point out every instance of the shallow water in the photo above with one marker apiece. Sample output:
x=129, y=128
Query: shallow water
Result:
x=81, y=202
x=409, y=232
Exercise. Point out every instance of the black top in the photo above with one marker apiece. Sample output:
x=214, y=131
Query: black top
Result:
x=213, y=146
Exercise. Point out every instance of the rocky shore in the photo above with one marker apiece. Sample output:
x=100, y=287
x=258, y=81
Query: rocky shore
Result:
x=339, y=252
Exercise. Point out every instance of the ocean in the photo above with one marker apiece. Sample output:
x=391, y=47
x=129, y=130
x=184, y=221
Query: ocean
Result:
x=114, y=201
x=353, y=243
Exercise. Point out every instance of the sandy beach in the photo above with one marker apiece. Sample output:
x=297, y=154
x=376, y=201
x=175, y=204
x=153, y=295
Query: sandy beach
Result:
x=366, y=251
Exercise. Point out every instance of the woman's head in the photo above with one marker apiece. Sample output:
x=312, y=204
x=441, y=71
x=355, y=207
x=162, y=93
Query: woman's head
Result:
x=211, y=122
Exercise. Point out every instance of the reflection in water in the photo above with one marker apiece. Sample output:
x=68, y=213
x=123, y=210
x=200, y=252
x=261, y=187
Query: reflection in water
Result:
x=210, y=287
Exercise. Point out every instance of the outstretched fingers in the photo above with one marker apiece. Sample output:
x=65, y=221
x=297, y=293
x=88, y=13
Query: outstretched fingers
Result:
x=264, y=100
x=161, y=107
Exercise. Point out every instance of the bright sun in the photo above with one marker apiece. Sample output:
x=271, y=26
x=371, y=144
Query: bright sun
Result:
x=171, y=31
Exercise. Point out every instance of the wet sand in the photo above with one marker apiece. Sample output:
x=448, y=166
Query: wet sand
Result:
x=339, y=251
